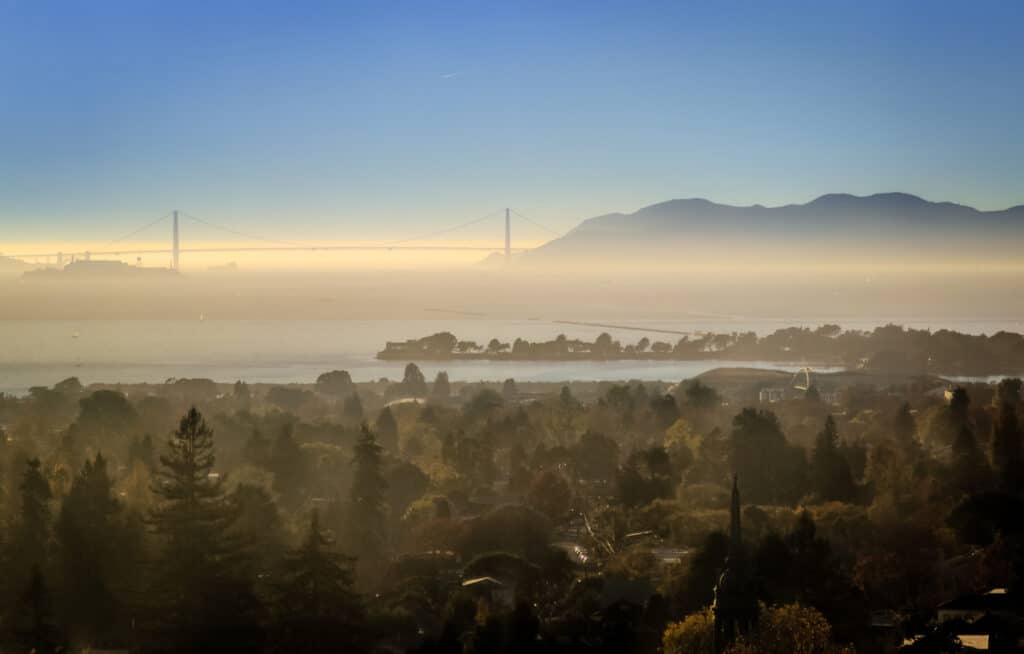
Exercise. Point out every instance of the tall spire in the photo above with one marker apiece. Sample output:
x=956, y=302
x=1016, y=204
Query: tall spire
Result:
x=735, y=528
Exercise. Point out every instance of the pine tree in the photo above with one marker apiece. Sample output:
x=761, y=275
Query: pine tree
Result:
x=970, y=471
x=91, y=553
x=414, y=384
x=829, y=470
x=32, y=534
x=34, y=628
x=367, y=497
x=1006, y=448
x=204, y=602
x=317, y=609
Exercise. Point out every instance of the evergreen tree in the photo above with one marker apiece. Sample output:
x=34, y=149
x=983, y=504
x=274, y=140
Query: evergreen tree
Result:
x=957, y=414
x=204, y=602
x=830, y=472
x=442, y=388
x=34, y=629
x=141, y=450
x=970, y=471
x=259, y=526
x=773, y=470
x=288, y=465
x=904, y=428
x=368, y=497
x=568, y=409
x=1006, y=448
x=32, y=534
x=92, y=550
x=241, y=393
x=317, y=609
x=414, y=384
x=387, y=430
x=1008, y=391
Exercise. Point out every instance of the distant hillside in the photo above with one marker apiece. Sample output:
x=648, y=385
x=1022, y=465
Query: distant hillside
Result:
x=834, y=226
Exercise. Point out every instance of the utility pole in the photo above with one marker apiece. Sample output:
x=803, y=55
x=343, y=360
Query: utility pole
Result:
x=174, y=246
x=508, y=237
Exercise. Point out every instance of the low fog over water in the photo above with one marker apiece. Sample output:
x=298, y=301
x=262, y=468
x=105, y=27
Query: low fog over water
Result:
x=288, y=327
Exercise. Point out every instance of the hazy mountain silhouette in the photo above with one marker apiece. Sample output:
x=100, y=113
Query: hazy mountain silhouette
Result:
x=885, y=224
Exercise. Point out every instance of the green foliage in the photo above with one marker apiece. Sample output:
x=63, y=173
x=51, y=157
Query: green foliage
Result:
x=95, y=545
x=200, y=594
x=595, y=457
x=441, y=388
x=31, y=540
x=550, y=494
x=33, y=619
x=830, y=472
x=1006, y=441
x=647, y=475
x=789, y=629
x=315, y=606
x=337, y=383
x=353, y=408
x=771, y=470
x=289, y=398
x=367, y=498
x=700, y=396
x=693, y=635
x=485, y=403
x=106, y=412
x=414, y=384
x=289, y=466
x=387, y=430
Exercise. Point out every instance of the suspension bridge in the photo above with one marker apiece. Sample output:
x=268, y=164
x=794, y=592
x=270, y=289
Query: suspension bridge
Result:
x=176, y=249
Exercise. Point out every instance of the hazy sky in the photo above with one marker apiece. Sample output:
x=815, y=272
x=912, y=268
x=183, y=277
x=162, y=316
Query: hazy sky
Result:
x=381, y=120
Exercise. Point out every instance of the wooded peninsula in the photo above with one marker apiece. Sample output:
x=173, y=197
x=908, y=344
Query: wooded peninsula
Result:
x=890, y=348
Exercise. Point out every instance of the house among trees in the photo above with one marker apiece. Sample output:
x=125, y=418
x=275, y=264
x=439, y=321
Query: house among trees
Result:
x=497, y=595
x=771, y=395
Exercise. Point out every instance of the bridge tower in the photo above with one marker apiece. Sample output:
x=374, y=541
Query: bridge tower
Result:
x=508, y=237
x=174, y=241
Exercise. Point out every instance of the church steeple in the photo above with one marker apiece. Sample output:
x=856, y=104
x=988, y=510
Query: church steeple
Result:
x=735, y=597
x=735, y=527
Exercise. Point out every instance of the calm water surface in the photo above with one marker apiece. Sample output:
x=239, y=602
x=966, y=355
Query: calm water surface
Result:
x=281, y=351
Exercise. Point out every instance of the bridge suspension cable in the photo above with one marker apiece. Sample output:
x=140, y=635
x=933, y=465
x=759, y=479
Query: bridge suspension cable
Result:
x=281, y=244
x=447, y=230
x=236, y=232
x=536, y=224
x=137, y=231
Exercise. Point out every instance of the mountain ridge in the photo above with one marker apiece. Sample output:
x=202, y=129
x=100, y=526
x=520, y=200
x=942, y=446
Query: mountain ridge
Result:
x=886, y=222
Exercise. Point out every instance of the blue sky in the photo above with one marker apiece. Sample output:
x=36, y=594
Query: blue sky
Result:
x=378, y=120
